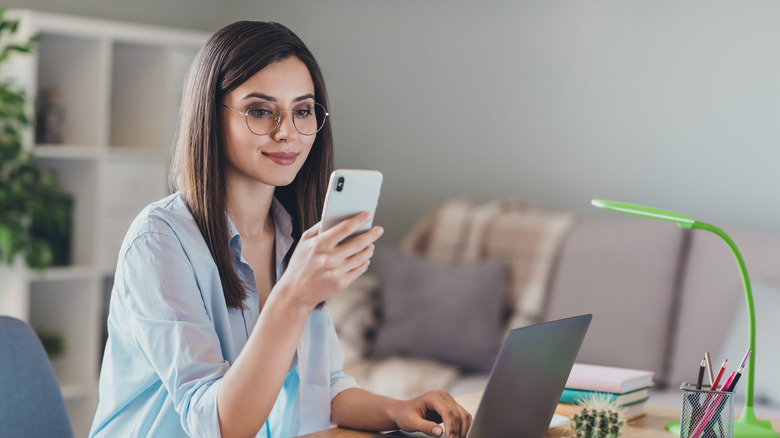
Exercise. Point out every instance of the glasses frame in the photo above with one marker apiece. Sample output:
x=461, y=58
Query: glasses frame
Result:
x=279, y=119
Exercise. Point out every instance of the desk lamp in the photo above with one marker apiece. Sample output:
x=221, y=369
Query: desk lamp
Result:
x=747, y=426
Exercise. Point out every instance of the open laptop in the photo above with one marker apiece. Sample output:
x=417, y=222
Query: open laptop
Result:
x=527, y=380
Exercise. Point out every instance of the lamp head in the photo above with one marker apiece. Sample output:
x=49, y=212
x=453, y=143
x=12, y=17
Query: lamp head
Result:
x=644, y=211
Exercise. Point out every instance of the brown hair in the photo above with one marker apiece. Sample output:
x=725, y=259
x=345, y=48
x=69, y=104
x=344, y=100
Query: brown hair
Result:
x=233, y=55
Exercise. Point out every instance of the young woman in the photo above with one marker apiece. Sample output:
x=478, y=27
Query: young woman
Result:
x=216, y=323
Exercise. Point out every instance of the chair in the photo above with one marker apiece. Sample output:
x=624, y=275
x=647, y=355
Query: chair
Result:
x=31, y=404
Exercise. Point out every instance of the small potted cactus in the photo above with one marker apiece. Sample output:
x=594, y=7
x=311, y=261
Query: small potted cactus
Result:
x=598, y=417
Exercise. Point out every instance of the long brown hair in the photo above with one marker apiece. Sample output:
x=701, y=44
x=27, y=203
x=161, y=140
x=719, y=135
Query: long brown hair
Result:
x=233, y=55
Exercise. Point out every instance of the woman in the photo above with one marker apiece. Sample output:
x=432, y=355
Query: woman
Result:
x=216, y=325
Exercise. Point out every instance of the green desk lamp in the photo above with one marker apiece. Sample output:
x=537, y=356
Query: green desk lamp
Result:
x=747, y=426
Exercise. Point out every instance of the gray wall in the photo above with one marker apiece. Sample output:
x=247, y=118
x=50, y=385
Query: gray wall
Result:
x=672, y=104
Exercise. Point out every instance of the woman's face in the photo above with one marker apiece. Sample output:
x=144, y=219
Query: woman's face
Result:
x=276, y=158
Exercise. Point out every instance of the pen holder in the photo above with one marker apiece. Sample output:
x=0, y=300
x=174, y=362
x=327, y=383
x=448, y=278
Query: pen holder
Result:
x=706, y=414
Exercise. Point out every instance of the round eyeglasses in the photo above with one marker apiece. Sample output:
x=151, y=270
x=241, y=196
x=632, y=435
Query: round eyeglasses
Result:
x=262, y=118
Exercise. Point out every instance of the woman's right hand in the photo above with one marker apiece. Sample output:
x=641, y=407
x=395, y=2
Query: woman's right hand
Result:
x=324, y=264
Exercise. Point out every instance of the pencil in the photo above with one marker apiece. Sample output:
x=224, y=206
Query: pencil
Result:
x=727, y=384
x=709, y=367
x=701, y=374
x=718, y=376
x=734, y=382
x=744, y=360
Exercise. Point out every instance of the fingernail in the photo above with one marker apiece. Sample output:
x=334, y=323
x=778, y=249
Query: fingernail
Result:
x=380, y=231
x=437, y=431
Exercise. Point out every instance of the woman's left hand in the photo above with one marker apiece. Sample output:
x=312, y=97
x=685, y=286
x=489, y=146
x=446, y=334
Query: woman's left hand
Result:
x=425, y=412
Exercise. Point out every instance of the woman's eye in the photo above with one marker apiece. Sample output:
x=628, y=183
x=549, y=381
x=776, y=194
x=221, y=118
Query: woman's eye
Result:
x=302, y=113
x=262, y=111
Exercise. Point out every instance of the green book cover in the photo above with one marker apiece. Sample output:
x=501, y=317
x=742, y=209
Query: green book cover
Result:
x=574, y=396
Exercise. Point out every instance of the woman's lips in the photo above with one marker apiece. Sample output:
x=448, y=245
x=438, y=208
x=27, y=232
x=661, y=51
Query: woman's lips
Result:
x=282, y=158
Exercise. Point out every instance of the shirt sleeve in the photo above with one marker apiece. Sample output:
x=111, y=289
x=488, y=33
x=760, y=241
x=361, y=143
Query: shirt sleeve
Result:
x=339, y=380
x=172, y=328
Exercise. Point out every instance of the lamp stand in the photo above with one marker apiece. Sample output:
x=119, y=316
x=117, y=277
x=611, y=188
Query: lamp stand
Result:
x=747, y=426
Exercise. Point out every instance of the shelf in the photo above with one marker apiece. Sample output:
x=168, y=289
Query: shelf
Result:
x=115, y=88
x=136, y=153
x=66, y=152
x=65, y=273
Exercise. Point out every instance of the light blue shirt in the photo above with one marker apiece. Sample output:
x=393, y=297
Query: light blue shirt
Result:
x=171, y=337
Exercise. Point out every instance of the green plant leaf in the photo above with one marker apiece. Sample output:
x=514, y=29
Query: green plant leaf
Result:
x=31, y=200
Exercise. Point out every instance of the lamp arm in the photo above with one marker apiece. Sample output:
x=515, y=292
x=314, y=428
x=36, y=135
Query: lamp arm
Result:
x=750, y=308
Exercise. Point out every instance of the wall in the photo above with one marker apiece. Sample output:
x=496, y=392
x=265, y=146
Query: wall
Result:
x=671, y=104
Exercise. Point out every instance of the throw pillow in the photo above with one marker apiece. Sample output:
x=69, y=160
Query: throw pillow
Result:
x=449, y=313
x=766, y=386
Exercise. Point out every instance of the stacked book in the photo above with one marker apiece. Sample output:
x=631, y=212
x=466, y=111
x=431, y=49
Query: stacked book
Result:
x=629, y=388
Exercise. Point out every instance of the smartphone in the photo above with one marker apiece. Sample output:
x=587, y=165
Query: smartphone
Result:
x=350, y=192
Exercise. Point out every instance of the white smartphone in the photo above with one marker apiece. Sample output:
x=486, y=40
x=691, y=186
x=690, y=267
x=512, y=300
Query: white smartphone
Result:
x=350, y=192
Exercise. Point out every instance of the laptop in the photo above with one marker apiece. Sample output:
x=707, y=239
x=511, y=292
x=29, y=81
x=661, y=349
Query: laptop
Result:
x=527, y=380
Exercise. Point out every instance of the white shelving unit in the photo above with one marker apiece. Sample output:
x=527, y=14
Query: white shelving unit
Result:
x=120, y=87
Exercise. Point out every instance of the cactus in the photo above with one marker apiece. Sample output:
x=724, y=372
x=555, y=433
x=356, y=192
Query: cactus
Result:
x=598, y=417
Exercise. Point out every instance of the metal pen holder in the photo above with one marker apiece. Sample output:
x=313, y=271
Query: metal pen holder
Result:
x=705, y=413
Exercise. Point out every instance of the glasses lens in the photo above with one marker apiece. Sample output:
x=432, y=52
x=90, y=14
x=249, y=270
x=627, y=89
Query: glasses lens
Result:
x=309, y=117
x=262, y=117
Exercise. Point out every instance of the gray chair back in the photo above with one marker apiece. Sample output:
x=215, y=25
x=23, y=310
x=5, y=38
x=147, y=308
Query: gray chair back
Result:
x=31, y=403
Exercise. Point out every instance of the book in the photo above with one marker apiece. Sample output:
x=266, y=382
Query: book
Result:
x=574, y=396
x=607, y=379
x=633, y=411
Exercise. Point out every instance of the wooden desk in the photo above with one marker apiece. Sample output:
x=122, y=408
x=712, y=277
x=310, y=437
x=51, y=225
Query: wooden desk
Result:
x=651, y=425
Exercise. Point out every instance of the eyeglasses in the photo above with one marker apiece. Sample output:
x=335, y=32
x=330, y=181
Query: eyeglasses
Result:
x=262, y=118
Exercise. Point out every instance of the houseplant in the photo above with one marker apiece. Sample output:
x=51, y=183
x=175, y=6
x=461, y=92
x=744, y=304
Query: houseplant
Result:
x=34, y=211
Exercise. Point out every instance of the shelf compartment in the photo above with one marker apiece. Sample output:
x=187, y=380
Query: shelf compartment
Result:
x=78, y=178
x=70, y=309
x=74, y=66
x=138, y=96
x=81, y=403
x=129, y=183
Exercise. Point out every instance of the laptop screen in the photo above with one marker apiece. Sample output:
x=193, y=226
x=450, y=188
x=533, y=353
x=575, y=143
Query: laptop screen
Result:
x=527, y=379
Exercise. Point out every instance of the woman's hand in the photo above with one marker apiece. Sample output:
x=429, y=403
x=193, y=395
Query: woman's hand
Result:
x=324, y=264
x=425, y=412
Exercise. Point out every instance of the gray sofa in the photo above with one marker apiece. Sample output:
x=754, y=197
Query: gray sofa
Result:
x=661, y=296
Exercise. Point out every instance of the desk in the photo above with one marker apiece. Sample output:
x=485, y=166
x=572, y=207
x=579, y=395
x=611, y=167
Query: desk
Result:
x=652, y=425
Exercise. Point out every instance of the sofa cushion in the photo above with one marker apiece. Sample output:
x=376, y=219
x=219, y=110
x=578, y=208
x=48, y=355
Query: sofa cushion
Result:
x=450, y=313
x=624, y=273
x=712, y=293
x=402, y=378
x=354, y=312
x=766, y=297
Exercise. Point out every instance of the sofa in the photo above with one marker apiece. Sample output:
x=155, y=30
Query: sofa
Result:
x=431, y=312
